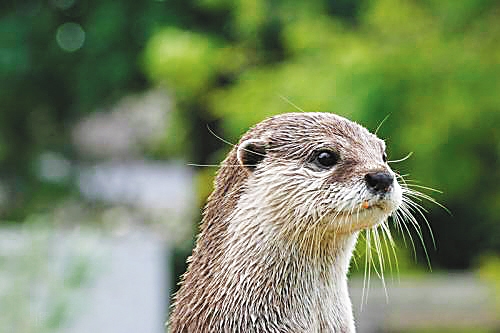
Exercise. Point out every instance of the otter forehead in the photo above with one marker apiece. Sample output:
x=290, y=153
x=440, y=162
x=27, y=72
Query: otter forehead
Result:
x=296, y=135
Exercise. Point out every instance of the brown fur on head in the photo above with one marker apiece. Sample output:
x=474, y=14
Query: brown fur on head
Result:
x=274, y=198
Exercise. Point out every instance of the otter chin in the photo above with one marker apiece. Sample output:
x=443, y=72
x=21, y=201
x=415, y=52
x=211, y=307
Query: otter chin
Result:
x=279, y=229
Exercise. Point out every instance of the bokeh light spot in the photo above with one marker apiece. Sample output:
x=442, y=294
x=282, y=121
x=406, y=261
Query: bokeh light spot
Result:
x=70, y=36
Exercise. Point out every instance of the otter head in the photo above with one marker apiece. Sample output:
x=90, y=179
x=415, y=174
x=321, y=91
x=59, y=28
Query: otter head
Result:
x=317, y=169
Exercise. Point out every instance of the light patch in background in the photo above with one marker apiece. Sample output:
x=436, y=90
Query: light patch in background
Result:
x=70, y=36
x=150, y=185
x=134, y=123
x=81, y=280
x=53, y=167
x=160, y=193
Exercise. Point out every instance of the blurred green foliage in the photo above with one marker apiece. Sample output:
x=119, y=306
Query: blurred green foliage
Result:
x=433, y=66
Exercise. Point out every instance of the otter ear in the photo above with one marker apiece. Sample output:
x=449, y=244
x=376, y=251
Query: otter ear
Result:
x=251, y=152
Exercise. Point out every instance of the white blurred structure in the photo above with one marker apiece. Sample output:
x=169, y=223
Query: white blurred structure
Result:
x=130, y=294
x=159, y=194
x=82, y=280
x=162, y=193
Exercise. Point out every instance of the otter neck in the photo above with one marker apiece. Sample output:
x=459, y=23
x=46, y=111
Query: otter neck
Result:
x=296, y=278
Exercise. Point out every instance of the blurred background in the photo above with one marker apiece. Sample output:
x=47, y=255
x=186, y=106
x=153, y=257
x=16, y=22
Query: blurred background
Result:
x=104, y=104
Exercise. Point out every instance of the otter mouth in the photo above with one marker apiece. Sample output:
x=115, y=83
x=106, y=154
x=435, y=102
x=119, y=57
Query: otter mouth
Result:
x=366, y=205
x=368, y=215
x=365, y=215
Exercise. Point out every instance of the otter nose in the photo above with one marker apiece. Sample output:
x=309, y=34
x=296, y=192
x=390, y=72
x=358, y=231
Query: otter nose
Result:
x=379, y=182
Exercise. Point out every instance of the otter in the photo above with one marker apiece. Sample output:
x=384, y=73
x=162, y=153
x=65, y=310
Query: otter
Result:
x=279, y=229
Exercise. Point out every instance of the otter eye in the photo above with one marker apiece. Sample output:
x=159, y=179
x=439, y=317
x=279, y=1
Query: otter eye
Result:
x=384, y=157
x=326, y=159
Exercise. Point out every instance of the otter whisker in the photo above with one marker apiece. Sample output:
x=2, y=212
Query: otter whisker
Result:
x=397, y=222
x=388, y=240
x=381, y=260
x=414, y=204
x=220, y=138
x=401, y=159
x=417, y=194
x=406, y=209
x=236, y=145
x=291, y=103
x=381, y=123
x=376, y=240
x=413, y=183
x=367, y=269
x=402, y=177
x=411, y=193
x=424, y=187
x=404, y=216
x=418, y=230
x=418, y=208
x=384, y=225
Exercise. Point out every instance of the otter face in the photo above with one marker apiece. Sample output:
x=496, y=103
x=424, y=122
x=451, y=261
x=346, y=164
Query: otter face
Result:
x=357, y=192
x=321, y=169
